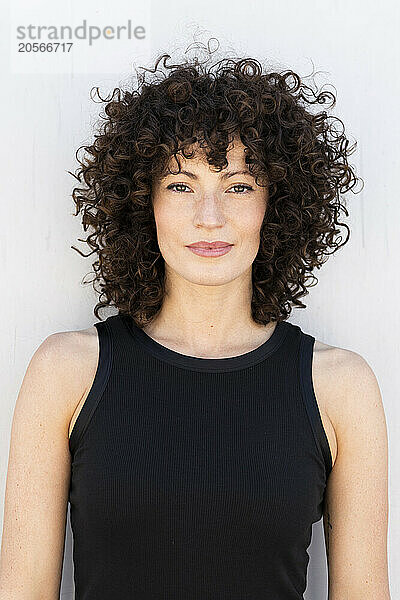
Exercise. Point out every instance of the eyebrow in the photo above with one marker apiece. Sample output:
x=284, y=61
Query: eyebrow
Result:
x=223, y=176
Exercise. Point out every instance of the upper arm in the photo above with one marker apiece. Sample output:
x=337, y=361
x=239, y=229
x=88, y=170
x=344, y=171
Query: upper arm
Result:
x=356, y=500
x=38, y=475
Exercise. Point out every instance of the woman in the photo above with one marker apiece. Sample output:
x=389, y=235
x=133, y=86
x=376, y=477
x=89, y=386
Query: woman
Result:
x=196, y=433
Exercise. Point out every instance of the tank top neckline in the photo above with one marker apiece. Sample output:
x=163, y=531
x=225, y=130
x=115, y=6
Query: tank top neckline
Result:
x=196, y=363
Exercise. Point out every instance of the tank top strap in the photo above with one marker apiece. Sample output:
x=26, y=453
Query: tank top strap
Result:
x=103, y=370
x=305, y=361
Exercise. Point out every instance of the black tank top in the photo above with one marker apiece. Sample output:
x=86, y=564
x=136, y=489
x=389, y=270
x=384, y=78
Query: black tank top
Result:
x=196, y=478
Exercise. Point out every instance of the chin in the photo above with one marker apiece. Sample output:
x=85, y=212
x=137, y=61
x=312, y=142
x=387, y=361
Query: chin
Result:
x=204, y=276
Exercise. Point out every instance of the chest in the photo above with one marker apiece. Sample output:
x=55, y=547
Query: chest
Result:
x=198, y=463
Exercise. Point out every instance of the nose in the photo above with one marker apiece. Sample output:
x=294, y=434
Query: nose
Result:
x=209, y=212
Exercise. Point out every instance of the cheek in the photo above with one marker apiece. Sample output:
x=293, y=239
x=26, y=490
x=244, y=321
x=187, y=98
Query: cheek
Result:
x=169, y=224
x=250, y=222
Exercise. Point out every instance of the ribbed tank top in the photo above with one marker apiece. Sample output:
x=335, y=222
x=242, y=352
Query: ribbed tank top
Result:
x=196, y=478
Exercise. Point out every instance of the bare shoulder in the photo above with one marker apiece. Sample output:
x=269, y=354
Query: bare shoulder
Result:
x=357, y=488
x=39, y=463
x=70, y=352
x=69, y=360
x=346, y=388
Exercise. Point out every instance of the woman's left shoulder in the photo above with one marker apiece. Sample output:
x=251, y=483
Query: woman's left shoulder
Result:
x=357, y=487
x=343, y=372
x=348, y=392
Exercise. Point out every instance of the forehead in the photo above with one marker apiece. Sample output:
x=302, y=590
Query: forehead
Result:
x=235, y=155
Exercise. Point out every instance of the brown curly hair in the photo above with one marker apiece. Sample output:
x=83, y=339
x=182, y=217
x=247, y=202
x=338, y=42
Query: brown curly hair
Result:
x=302, y=155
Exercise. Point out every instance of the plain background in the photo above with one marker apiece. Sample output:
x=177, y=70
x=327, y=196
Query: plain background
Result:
x=46, y=116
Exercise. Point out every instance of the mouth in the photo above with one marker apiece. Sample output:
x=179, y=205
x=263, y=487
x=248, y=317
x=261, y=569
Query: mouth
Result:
x=203, y=244
x=210, y=249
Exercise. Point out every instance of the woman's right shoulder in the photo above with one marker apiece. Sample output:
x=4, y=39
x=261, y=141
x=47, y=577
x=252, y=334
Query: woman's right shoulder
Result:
x=69, y=360
x=39, y=463
x=70, y=352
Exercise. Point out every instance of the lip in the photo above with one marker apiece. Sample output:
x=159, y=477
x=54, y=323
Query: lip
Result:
x=203, y=244
x=212, y=249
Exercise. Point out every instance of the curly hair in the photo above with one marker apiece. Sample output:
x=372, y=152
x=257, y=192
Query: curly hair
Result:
x=302, y=156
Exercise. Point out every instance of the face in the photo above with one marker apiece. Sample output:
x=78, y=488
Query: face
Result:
x=202, y=205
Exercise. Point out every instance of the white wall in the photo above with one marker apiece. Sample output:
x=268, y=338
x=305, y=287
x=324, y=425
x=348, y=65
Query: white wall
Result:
x=46, y=115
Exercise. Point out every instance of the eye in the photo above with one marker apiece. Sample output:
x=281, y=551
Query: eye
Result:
x=173, y=185
x=245, y=188
x=242, y=185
